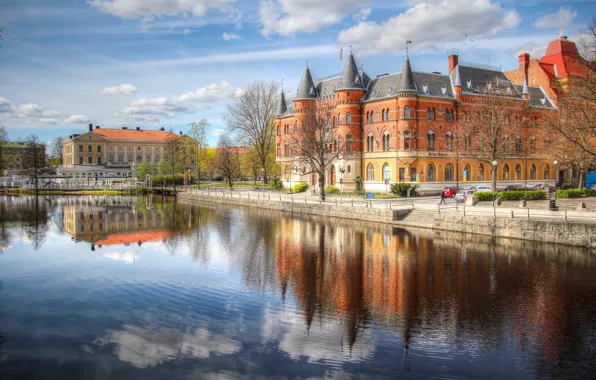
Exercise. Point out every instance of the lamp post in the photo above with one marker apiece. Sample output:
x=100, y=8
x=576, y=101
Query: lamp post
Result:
x=553, y=201
x=188, y=179
x=494, y=175
x=555, y=162
x=263, y=178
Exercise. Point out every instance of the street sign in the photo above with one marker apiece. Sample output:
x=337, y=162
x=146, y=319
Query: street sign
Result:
x=341, y=181
x=370, y=195
x=386, y=181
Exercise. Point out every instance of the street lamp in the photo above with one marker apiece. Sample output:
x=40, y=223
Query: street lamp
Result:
x=494, y=175
x=263, y=178
x=188, y=178
x=555, y=162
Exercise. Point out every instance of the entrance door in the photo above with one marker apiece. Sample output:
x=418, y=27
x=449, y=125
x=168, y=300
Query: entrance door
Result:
x=333, y=177
x=313, y=178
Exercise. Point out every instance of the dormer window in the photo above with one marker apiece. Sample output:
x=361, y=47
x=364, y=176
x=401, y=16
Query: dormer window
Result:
x=469, y=83
x=543, y=100
x=425, y=88
x=444, y=90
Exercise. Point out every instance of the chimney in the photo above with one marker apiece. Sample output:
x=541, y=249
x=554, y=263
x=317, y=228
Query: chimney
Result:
x=97, y=127
x=453, y=61
x=180, y=133
x=138, y=128
x=162, y=129
x=524, y=62
x=124, y=127
x=90, y=127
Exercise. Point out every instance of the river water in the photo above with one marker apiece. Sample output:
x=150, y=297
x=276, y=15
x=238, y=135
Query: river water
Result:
x=145, y=288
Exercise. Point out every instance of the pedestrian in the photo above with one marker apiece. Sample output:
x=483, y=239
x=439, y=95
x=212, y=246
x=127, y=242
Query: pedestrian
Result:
x=443, y=198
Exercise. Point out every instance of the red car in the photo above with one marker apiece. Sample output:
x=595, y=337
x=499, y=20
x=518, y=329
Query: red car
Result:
x=450, y=191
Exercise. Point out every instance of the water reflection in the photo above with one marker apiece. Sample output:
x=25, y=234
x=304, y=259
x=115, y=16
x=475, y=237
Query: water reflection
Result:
x=227, y=292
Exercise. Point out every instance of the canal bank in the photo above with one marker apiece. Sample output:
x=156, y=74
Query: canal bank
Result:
x=580, y=234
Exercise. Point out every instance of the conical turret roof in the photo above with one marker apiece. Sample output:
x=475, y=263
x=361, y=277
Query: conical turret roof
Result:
x=306, y=90
x=350, y=77
x=406, y=82
x=282, y=107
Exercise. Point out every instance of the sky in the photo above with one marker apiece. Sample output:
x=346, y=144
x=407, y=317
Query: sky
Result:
x=166, y=63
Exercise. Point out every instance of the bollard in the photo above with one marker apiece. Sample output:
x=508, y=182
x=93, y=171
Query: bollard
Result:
x=528, y=213
x=512, y=214
x=336, y=201
x=305, y=199
x=565, y=216
x=352, y=202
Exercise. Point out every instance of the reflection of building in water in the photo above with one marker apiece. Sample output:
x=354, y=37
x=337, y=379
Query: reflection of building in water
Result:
x=424, y=287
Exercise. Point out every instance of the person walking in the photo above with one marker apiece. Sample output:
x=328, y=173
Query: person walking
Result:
x=443, y=201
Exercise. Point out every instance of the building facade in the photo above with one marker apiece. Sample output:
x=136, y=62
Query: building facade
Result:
x=14, y=157
x=401, y=127
x=103, y=152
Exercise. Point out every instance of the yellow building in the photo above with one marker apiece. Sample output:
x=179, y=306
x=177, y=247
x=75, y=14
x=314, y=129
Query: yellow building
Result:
x=104, y=152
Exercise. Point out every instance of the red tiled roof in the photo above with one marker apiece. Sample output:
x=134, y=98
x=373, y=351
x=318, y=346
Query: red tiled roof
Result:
x=136, y=237
x=565, y=55
x=134, y=135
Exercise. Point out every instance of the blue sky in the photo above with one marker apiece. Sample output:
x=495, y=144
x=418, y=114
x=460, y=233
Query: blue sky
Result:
x=153, y=63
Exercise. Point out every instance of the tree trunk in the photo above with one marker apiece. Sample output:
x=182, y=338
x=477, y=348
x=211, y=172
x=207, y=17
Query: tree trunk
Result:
x=494, y=178
x=322, y=185
x=580, y=179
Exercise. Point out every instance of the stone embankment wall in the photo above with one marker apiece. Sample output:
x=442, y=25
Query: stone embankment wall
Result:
x=576, y=234
x=329, y=209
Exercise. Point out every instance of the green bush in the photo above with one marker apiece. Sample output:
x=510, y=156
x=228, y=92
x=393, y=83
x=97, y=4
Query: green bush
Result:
x=362, y=192
x=589, y=192
x=359, y=182
x=401, y=188
x=485, y=196
x=530, y=195
x=331, y=189
x=159, y=179
x=275, y=183
x=569, y=193
x=300, y=187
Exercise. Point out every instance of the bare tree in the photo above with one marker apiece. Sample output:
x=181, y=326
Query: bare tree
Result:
x=251, y=119
x=33, y=159
x=492, y=125
x=227, y=160
x=569, y=155
x=3, y=141
x=57, y=150
x=198, y=131
x=315, y=145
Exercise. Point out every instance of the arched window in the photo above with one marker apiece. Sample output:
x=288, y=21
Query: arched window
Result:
x=295, y=126
x=407, y=140
x=406, y=112
x=431, y=175
x=506, y=172
x=348, y=118
x=547, y=172
x=518, y=172
x=428, y=115
x=370, y=172
x=370, y=139
x=430, y=140
x=467, y=174
x=533, y=171
x=386, y=172
x=383, y=115
x=349, y=142
x=518, y=144
x=339, y=118
x=467, y=142
x=286, y=149
x=533, y=144
x=278, y=150
x=386, y=141
x=480, y=176
x=433, y=114
x=449, y=172
x=387, y=114
x=449, y=140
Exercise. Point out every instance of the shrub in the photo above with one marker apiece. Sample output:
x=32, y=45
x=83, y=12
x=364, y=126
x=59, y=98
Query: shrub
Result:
x=359, y=182
x=530, y=195
x=569, y=193
x=167, y=179
x=362, y=192
x=300, y=187
x=275, y=183
x=401, y=188
x=589, y=192
x=485, y=196
x=331, y=189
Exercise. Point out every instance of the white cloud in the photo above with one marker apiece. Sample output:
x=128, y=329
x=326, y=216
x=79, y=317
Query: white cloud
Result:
x=123, y=89
x=77, y=119
x=288, y=17
x=130, y=9
x=559, y=20
x=5, y=106
x=430, y=24
x=218, y=132
x=34, y=114
x=361, y=15
x=230, y=36
x=536, y=50
x=152, y=110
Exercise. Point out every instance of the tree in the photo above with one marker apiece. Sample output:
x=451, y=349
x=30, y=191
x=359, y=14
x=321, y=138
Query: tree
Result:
x=56, y=153
x=576, y=119
x=227, y=160
x=316, y=145
x=162, y=166
x=3, y=140
x=198, y=131
x=143, y=169
x=208, y=162
x=33, y=159
x=174, y=153
x=251, y=119
x=492, y=123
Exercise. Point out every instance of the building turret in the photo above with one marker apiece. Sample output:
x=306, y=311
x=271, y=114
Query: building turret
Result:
x=406, y=82
x=306, y=89
x=282, y=107
x=350, y=77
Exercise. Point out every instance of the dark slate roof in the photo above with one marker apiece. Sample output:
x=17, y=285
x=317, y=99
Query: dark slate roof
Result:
x=406, y=81
x=427, y=84
x=327, y=87
x=282, y=107
x=350, y=77
x=479, y=80
x=538, y=98
x=306, y=90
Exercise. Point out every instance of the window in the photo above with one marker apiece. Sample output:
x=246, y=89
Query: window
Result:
x=349, y=169
x=480, y=176
x=98, y=160
x=278, y=150
x=546, y=172
x=99, y=149
x=386, y=141
x=406, y=112
x=339, y=118
x=80, y=149
x=334, y=122
x=370, y=172
x=449, y=172
x=278, y=130
x=449, y=140
x=287, y=172
x=533, y=171
x=370, y=139
x=518, y=144
x=90, y=148
x=518, y=172
x=506, y=172
x=430, y=114
x=386, y=172
x=348, y=118
x=467, y=174
x=407, y=140
x=349, y=143
x=383, y=115
x=467, y=142
x=533, y=144
x=430, y=173
x=80, y=160
x=412, y=174
x=402, y=174
x=387, y=115
x=295, y=125
x=430, y=140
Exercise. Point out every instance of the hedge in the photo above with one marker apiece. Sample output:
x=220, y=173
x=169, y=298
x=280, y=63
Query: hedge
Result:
x=570, y=193
x=158, y=179
x=401, y=188
x=331, y=189
x=531, y=195
x=300, y=187
x=484, y=196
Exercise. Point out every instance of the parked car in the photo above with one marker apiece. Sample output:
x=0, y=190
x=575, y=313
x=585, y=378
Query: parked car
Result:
x=542, y=186
x=481, y=188
x=462, y=195
x=515, y=188
x=450, y=191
